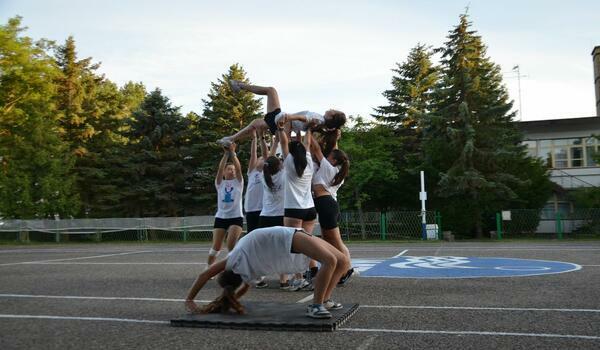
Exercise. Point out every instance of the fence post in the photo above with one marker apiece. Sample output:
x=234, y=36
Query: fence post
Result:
x=57, y=233
x=382, y=224
x=499, y=226
x=184, y=230
x=438, y=221
x=559, y=228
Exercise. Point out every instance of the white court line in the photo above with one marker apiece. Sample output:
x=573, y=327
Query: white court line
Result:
x=400, y=254
x=94, y=298
x=510, y=334
x=304, y=300
x=79, y=258
x=117, y=263
x=475, y=308
x=109, y=319
x=405, y=331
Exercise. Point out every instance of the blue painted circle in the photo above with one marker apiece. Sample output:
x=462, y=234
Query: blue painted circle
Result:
x=461, y=267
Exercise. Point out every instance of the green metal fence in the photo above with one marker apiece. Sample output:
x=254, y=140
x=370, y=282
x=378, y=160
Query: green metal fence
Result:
x=523, y=223
x=354, y=226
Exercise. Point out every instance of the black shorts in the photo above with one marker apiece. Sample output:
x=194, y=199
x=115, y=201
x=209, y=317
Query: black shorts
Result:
x=329, y=212
x=225, y=223
x=252, y=221
x=270, y=221
x=303, y=214
x=270, y=120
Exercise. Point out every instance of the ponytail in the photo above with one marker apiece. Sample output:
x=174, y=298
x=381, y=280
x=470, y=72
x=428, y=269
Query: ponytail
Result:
x=230, y=281
x=271, y=167
x=298, y=151
x=341, y=160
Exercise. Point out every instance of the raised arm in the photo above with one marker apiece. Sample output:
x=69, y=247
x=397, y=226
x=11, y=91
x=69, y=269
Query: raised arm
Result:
x=274, y=143
x=264, y=149
x=308, y=138
x=221, y=169
x=315, y=148
x=236, y=163
x=283, y=140
x=253, y=158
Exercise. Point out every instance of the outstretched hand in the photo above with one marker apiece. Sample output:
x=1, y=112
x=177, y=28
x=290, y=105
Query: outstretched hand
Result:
x=191, y=307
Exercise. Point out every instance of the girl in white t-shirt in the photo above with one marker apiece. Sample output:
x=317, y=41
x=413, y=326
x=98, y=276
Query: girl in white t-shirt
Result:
x=267, y=251
x=229, y=219
x=328, y=178
x=330, y=120
x=254, y=190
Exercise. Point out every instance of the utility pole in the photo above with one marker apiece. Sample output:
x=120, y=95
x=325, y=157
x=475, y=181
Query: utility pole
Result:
x=517, y=69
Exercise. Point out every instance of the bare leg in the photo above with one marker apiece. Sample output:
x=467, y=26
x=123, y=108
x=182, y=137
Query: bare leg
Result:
x=328, y=256
x=270, y=92
x=232, y=236
x=334, y=238
x=218, y=235
x=257, y=124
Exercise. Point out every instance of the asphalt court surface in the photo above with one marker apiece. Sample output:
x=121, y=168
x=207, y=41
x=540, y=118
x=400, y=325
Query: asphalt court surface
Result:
x=102, y=296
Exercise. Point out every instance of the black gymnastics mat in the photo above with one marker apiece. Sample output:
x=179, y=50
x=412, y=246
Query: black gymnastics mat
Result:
x=269, y=316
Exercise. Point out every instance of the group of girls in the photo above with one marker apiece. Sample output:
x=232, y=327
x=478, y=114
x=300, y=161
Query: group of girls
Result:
x=280, y=209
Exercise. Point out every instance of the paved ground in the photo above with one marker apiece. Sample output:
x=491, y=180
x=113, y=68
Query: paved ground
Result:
x=122, y=296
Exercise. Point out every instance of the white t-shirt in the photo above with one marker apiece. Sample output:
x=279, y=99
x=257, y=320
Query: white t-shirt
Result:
x=298, y=125
x=273, y=198
x=266, y=251
x=254, y=192
x=324, y=176
x=229, y=199
x=297, y=189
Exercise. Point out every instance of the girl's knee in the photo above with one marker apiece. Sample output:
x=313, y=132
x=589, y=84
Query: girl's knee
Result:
x=329, y=260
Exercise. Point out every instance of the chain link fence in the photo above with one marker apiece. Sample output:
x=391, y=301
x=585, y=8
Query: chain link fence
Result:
x=354, y=226
x=532, y=223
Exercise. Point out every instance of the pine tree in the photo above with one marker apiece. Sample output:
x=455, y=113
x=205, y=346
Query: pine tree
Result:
x=472, y=147
x=410, y=96
x=157, y=172
x=408, y=101
x=35, y=164
x=74, y=99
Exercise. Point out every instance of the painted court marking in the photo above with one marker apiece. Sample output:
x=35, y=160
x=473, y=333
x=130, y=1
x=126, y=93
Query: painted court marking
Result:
x=482, y=308
x=370, y=330
x=494, y=334
x=93, y=298
x=401, y=253
x=79, y=258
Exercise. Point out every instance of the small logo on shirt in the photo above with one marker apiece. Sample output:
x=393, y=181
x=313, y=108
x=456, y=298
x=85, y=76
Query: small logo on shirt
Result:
x=228, y=194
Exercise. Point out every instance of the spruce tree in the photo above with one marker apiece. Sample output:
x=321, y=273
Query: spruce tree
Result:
x=408, y=101
x=472, y=147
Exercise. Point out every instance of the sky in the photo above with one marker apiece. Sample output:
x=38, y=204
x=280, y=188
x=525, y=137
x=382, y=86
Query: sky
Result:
x=323, y=54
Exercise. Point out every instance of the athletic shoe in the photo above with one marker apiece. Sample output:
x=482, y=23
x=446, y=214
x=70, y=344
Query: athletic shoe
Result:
x=348, y=276
x=309, y=287
x=297, y=285
x=317, y=311
x=225, y=141
x=284, y=286
x=332, y=305
x=235, y=85
x=261, y=284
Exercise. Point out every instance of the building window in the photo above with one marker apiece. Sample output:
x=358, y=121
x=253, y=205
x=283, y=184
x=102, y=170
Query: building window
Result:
x=565, y=153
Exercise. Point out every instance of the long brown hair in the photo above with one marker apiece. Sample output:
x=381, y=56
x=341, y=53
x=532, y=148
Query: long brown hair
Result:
x=341, y=160
x=298, y=151
x=271, y=167
x=230, y=282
